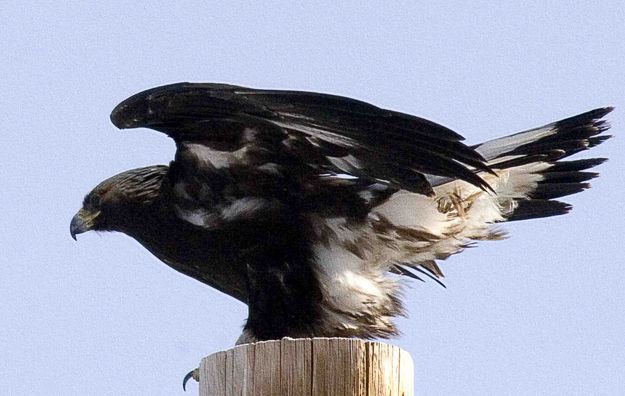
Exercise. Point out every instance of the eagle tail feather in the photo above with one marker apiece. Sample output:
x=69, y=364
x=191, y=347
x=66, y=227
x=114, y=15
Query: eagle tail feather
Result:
x=537, y=155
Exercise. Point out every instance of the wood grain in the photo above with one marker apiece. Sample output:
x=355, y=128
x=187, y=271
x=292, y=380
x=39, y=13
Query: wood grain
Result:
x=309, y=367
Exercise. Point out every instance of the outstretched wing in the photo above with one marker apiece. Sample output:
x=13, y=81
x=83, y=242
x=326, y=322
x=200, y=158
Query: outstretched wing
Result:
x=311, y=133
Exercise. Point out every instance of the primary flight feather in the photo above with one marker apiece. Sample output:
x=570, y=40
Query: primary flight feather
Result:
x=309, y=207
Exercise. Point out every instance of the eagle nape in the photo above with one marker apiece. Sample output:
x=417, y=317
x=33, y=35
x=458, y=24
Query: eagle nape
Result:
x=313, y=209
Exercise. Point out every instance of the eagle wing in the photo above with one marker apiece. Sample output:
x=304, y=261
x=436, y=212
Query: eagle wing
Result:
x=310, y=132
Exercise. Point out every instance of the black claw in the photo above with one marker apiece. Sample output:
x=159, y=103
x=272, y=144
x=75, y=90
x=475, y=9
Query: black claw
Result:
x=191, y=374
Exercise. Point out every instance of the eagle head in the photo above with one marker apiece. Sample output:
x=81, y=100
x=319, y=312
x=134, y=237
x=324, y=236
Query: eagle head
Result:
x=113, y=203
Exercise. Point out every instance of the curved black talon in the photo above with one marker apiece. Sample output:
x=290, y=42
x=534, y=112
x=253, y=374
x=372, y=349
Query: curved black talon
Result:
x=191, y=374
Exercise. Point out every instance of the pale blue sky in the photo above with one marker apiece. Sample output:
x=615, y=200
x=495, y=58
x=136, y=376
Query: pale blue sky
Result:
x=539, y=313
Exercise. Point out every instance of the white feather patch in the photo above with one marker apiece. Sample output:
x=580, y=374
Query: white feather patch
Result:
x=348, y=163
x=406, y=209
x=353, y=286
x=243, y=208
x=196, y=217
x=216, y=158
x=496, y=147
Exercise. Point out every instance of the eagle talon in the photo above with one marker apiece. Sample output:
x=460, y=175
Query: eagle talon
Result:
x=195, y=374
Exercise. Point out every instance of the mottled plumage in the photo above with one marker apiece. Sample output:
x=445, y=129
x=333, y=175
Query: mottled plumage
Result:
x=310, y=207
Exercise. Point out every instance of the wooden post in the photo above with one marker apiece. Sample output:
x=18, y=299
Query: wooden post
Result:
x=308, y=367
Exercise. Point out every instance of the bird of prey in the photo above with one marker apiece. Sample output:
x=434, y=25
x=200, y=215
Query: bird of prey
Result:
x=313, y=208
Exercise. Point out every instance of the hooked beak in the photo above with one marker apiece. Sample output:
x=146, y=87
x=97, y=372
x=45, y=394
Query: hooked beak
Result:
x=81, y=222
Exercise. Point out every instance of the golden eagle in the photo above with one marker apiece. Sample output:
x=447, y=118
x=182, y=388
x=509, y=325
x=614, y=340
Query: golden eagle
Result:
x=309, y=207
